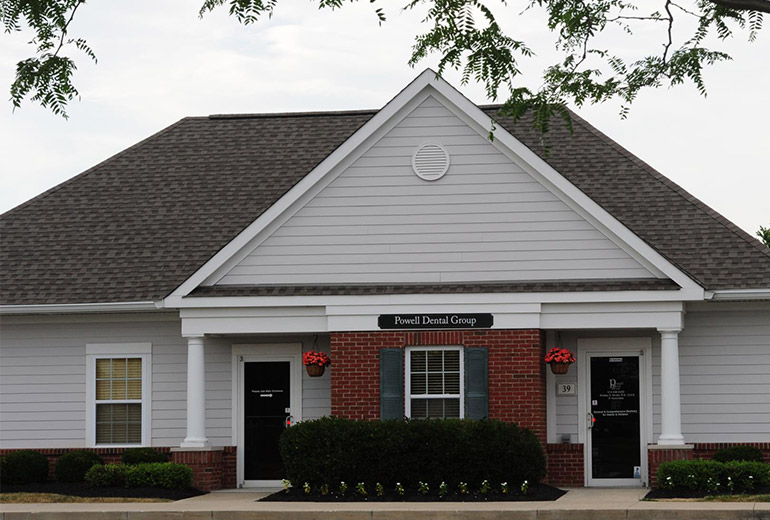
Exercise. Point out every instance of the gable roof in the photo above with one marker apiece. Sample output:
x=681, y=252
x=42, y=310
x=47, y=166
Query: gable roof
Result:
x=136, y=226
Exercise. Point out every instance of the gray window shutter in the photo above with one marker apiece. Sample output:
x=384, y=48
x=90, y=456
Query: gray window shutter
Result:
x=391, y=383
x=476, y=383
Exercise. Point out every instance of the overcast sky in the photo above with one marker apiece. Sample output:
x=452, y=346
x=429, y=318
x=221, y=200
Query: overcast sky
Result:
x=158, y=62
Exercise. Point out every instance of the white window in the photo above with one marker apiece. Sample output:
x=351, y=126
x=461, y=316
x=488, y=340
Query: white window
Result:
x=118, y=394
x=434, y=382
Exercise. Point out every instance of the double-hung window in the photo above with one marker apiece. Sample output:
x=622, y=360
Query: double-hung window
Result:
x=434, y=382
x=118, y=394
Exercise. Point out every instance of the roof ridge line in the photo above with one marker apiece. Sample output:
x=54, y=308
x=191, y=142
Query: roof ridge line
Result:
x=319, y=113
x=683, y=193
x=90, y=170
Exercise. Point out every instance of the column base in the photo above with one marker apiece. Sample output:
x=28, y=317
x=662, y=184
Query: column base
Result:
x=671, y=440
x=195, y=443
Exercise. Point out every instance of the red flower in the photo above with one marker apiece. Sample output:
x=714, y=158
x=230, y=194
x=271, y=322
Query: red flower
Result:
x=311, y=357
x=560, y=355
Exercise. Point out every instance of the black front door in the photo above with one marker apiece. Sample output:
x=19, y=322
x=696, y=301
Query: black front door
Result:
x=616, y=433
x=266, y=407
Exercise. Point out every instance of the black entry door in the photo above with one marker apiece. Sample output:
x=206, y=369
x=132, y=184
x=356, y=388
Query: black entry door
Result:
x=616, y=434
x=266, y=406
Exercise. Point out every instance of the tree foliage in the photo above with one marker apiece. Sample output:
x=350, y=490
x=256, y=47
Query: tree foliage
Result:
x=467, y=35
x=764, y=235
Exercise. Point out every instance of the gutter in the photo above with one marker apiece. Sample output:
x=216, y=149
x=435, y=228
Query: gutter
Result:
x=738, y=295
x=69, y=308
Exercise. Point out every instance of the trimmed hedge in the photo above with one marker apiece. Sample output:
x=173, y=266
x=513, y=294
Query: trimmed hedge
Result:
x=143, y=455
x=73, y=465
x=713, y=476
x=23, y=467
x=330, y=450
x=744, y=453
x=165, y=475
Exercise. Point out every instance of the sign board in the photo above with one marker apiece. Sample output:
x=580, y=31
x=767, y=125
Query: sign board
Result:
x=566, y=389
x=435, y=321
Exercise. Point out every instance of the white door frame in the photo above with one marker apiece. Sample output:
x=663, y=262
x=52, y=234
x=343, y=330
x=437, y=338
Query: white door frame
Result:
x=638, y=346
x=291, y=352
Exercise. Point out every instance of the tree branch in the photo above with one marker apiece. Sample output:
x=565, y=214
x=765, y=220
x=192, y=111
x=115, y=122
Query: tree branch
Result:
x=763, y=6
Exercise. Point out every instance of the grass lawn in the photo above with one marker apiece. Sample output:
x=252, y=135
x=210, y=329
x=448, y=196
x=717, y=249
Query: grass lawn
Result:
x=53, y=498
x=737, y=498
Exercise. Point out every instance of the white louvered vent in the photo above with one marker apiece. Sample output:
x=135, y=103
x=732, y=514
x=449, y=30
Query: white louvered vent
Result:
x=430, y=162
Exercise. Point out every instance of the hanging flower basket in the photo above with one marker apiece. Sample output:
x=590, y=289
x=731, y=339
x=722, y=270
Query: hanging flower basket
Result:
x=560, y=359
x=315, y=362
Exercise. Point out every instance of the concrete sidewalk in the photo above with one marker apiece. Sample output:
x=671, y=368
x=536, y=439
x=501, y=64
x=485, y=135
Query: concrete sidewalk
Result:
x=577, y=504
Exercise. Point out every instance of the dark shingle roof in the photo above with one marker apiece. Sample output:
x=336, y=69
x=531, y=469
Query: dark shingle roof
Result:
x=447, y=288
x=137, y=225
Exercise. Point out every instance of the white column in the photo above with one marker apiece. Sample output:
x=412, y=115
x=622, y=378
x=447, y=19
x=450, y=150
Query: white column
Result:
x=196, y=395
x=670, y=407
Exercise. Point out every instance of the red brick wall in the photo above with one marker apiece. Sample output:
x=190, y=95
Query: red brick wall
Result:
x=206, y=467
x=516, y=371
x=657, y=456
x=565, y=465
x=707, y=450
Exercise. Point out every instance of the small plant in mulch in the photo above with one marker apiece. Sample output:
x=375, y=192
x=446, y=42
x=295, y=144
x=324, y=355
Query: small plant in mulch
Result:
x=422, y=491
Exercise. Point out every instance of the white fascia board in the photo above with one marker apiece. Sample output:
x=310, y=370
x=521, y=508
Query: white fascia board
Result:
x=77, y=308
x=437, y=299
x=358, y=138
x=565, y=190
x=739, y=294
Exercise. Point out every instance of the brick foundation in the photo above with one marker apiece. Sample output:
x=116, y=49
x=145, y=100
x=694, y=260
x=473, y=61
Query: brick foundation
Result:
x=707, y=450
x=656, y=455
x=209, y=472
x=565, y=465
x=516, y=371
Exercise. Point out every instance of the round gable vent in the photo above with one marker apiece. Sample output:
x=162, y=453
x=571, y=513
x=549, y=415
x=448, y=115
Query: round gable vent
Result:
x=430, y=162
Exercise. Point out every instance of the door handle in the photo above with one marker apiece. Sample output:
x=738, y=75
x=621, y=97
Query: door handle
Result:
x=289, y=421
x=590, y=419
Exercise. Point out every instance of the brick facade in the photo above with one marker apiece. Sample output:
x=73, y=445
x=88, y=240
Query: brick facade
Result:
x=565, y=465
x=516, y=371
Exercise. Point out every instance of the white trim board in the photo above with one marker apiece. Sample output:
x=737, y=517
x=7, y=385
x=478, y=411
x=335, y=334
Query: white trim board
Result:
x=428, y=84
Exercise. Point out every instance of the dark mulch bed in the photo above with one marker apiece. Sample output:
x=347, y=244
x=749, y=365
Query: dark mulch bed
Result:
x=81, y=489
x=688, y=493
x=538, y=493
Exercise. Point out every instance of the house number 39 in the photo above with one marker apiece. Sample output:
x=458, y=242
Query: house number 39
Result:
x=566, y=389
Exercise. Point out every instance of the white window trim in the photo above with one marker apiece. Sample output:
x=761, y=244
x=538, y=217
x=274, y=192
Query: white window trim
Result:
x=96, y=351
x=408, y=379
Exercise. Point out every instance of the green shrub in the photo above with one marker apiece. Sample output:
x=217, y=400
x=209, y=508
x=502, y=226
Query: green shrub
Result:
x=330, y=450
x=23, y=467
x=142, y=455
x=746, y=453
x=165, y=475
x=147, y=474
x=109, y=475
x=713, y=476
x=73, y=465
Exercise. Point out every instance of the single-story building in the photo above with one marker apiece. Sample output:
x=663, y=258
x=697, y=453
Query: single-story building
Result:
x=165, y=297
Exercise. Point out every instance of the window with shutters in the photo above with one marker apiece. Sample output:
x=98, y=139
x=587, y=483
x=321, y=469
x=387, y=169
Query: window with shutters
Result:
x=118, y=389
x=434, y=382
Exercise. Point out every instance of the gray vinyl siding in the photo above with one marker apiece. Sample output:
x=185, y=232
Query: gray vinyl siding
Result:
x=43, y=378
x=485, y=220
x=724, y=363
